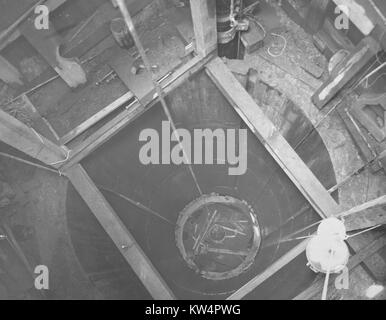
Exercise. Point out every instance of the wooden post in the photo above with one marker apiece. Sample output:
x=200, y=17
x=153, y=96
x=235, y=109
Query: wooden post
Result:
x=21, y=137
x=204, y=25
x=118, y=232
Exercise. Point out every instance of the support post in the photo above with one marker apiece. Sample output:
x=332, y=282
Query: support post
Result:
x=204, y=25
x=118, y=232
x=23, y=138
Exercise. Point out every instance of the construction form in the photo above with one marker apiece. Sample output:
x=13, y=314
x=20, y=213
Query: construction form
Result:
x=200, y=149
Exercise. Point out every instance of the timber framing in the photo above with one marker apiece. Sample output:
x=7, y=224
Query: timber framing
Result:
x=20, y=136
x=118, y=232
x=273, y=141
x=23, y=138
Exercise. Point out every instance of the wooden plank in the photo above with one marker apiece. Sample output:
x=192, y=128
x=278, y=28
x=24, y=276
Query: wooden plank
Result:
x=21, y=137
x=273, y=141
x=273, y=268
x=96, y=118
x=354, y=63
x=366, y=219
x=354, y=261
x=118, y=232
x=380, y=201
x=204, y=25
x=124, y=118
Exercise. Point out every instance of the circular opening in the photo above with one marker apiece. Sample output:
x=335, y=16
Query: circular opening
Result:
x=218, y=236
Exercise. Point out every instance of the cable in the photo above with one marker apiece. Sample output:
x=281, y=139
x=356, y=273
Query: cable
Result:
x=137, y=204
x=157, y=86
x=64, y=160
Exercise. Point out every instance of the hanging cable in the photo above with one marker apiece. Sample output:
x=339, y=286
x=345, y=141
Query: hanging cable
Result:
x=157, y=86
x=137, y=204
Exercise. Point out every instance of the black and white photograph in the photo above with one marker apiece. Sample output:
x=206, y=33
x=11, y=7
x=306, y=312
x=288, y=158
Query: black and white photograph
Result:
x=177, y=154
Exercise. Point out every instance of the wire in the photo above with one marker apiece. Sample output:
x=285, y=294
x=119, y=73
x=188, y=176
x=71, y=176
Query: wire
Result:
x=129, y=22
x=137, y=204
x=62, y=161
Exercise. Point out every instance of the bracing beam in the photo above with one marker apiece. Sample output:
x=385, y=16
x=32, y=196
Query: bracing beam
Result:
x=23, y=138
x=118, y=232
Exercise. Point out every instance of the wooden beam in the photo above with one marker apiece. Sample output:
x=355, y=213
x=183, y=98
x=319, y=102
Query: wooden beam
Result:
x=381, y=201
x=96, y=118
x=358, y=218
x=118, y=232
x=273, y=268
x=273, y=141
x=281, y=151
x=21, y=137
x=111, y=128
x=354, y=261
x=204, y=25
